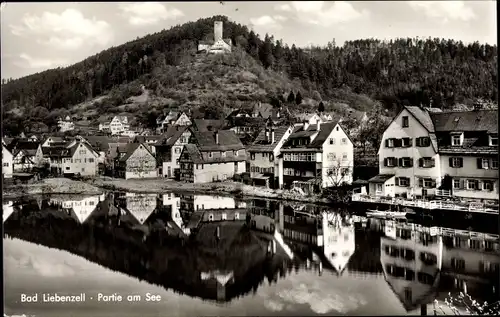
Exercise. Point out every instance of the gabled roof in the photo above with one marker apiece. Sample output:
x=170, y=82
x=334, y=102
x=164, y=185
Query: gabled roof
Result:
x=172, y=134
x=131, y=148
x=324, y=132
x=264, y=109
x=261, y=145
x=381, y=178
x=98, y=142
x=56, y=151
x=228, y=140
x=54, y=139
x=422, y=116
x=75, y=147
x=477, y=120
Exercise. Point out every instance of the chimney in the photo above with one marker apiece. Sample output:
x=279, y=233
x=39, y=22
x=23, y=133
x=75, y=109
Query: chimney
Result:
x=217, y=137
x=268, y=137
x=306, y=125
x=318, y=125
x=217, y=31
x=272, y=136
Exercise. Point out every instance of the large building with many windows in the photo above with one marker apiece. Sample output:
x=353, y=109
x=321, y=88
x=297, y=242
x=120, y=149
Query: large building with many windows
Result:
x=432, y=153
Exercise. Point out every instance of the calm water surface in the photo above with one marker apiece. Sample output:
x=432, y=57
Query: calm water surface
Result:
x=207, y=255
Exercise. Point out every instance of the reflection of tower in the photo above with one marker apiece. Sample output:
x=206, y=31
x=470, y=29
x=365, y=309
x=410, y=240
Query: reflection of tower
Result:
x=221, y=292
x=217, y=31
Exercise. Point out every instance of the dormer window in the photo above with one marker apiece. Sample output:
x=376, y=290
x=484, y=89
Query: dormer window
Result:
x=406, y=122
x=493, y=140
x=456, y=139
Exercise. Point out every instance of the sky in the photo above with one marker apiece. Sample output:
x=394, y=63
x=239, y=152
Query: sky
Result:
x=44, y=35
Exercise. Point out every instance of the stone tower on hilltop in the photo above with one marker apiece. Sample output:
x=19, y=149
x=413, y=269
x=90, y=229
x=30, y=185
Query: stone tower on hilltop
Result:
x=217, y=31
x=219, y=44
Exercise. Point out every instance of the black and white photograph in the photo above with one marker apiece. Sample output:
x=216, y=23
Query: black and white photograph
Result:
x=250, y=158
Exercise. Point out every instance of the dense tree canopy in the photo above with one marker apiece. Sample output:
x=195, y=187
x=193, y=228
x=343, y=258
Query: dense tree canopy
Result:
x=402, y=71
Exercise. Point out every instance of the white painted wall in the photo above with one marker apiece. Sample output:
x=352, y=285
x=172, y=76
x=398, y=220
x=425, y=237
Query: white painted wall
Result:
x=217, y=171
x=333, y=164
x=415, y=129
x=7, y=163
x=338, y=241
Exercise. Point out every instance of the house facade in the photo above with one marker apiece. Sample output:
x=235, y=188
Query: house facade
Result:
x=315, y=157
x=65, y=124
x=80, y=159
x=25, y=156
x=118, y=125
x=136, y=162
x=427, y=154
x=169, y=149
x=263, y=154
x=212, y=156
x=7, y=162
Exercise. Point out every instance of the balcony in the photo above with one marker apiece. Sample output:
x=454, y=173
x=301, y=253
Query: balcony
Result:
x=443, y=192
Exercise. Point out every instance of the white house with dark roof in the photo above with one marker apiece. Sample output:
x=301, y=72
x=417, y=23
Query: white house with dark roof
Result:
x=264, y=152
x=425, y=153
x=117, y=125
x=65, y=124
x=7, y=162
x=212, y=156
x=80, y=159
x=316, y=156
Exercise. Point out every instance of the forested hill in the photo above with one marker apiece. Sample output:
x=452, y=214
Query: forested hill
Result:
x=403, y=71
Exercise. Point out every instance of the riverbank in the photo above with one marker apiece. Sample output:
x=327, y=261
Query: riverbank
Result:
x=162, y=185
x=50, y=186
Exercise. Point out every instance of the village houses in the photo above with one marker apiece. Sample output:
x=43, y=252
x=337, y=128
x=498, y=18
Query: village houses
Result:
x=169, y=149
x=316, y=156
x=65, y=124
x=24, y=155
x=164, y=121
x=136, y=161
x=427, y=153
x=263, y=155
x=7, y=162
x=212, y=156
x=117, y=126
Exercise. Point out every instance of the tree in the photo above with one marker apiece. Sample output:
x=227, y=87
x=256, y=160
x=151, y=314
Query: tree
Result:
x=321, y=107
x=266, y=53
x=298, y=98
x=291, y=97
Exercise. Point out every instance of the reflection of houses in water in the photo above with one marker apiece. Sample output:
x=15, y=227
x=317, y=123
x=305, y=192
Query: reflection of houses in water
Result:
x=7, y=209
x=172, y=202
x=338, y=240
x=411, y=262
x=471, y=264
x=190, y=203
x=78, y=207
x=141, y=206
x=221, y=279
x=302, y=227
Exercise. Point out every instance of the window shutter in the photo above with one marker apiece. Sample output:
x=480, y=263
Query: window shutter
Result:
x=433, y=162
x=492, y=185
x=420, y=162
x=397, y=181
x=410, y=142
x=462, y=183
x=477, y=185
x=410, y=159
x=479, y=163
x=417, y=141
x=451, y=161
x=385, y=160
x=408, y=181
x=386, y=142
x=400, y=162
x=433, y=185
x=420, y=182
x=461, y=161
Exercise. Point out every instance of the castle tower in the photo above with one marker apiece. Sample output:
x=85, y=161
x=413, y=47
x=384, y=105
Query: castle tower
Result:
x=217, y=31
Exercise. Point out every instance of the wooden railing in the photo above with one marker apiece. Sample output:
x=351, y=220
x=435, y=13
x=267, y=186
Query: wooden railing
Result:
x=435, y=204
x=443, y=192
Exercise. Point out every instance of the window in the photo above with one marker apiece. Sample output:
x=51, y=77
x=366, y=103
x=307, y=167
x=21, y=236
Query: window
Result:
x=177, y=150
x=488, y=185
x=223, y=154
x=456, y=140
x=6, y=164
x=428, y=183
x=425, y=278
x=403, y=181
x=423, y=141
x=405, y=162
x=391, y=162
x=332, y=141
x=458, y=264
x=67, y=168
x=493, y=140
x=83, y=152
x=389, y=143
x=252, y=156
x=211, y=217
x=331, y=157
x=406, y=142
x=483, y=163
x=406, y=122
x=471, y=184
x=210, y=154
x=271, y=157
x=378, y=187
x=456, y=162
x=91, y=160
x=236, y=216
x=344, y=156
x=288, y=171
x=428, y=258
x=224, y=216
x=494, y=163
x=456, y=184
x=426, y=162
x=344, y=141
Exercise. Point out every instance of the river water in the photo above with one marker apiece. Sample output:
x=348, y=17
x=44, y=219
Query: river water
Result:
x=192, y=255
